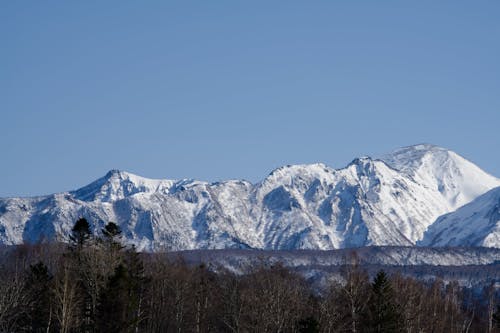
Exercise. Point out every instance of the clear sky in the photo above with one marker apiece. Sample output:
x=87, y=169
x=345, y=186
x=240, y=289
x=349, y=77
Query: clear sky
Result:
x=218, y=90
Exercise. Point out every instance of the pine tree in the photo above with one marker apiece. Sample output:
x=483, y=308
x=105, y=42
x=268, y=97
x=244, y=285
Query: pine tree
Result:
x=91, y=272
x=113, y=309
x=80, y=232
x=39, y=290
x=384, y=314
x=111, y=231
x=121, y=301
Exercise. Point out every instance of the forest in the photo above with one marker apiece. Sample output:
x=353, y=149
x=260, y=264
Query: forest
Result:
x=97, y=284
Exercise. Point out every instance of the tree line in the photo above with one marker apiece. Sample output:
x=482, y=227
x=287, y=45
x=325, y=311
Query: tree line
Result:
x=96, y=284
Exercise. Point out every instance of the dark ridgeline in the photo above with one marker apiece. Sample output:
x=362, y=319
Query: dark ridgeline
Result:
x=95, y=284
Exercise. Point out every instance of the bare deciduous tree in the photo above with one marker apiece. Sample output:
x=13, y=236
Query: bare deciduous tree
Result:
x=68, y=299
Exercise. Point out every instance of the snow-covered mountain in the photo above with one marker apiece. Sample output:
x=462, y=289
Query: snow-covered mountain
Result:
x=386, y=201
x=475, y=224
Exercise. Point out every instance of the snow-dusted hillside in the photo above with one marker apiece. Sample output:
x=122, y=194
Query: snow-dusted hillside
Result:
x=239, y=260
x=471, y=267
x=387, y=201
x=475, y=224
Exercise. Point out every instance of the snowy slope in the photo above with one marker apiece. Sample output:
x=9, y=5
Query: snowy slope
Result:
x=475, y=224
x=379, y=255
x=387, y=201
x=456, y=179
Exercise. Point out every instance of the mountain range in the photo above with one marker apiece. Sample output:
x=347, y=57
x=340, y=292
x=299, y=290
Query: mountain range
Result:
x=420, y=195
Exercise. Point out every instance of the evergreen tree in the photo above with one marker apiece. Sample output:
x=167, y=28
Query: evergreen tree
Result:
x=85, y=262
x=121, y=302
x=39, y=290
x=384, y=314
x=80, y=232
x=111, y=231
x=114, y=303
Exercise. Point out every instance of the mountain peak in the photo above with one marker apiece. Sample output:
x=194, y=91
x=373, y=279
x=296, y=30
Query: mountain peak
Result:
x=424, y=146
x=118, y=174
x=415, y=151
x=411, y=158
x=114, y=172
x=456, y=178
x=118, y=184
x=361, y=160
x=288, y=172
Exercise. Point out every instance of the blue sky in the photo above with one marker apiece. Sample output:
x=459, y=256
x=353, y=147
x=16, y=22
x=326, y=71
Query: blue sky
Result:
x=215, y=90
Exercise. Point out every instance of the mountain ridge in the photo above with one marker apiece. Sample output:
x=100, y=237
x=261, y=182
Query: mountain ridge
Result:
x=391, y=200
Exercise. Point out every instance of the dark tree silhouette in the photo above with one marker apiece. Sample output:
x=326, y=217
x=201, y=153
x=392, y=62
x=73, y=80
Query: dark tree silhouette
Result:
x=111, y=230
x=384, y=314
x=496, y=317
x=80, y=232
x=54, y=288
x=39, y=291
x=114, y=303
